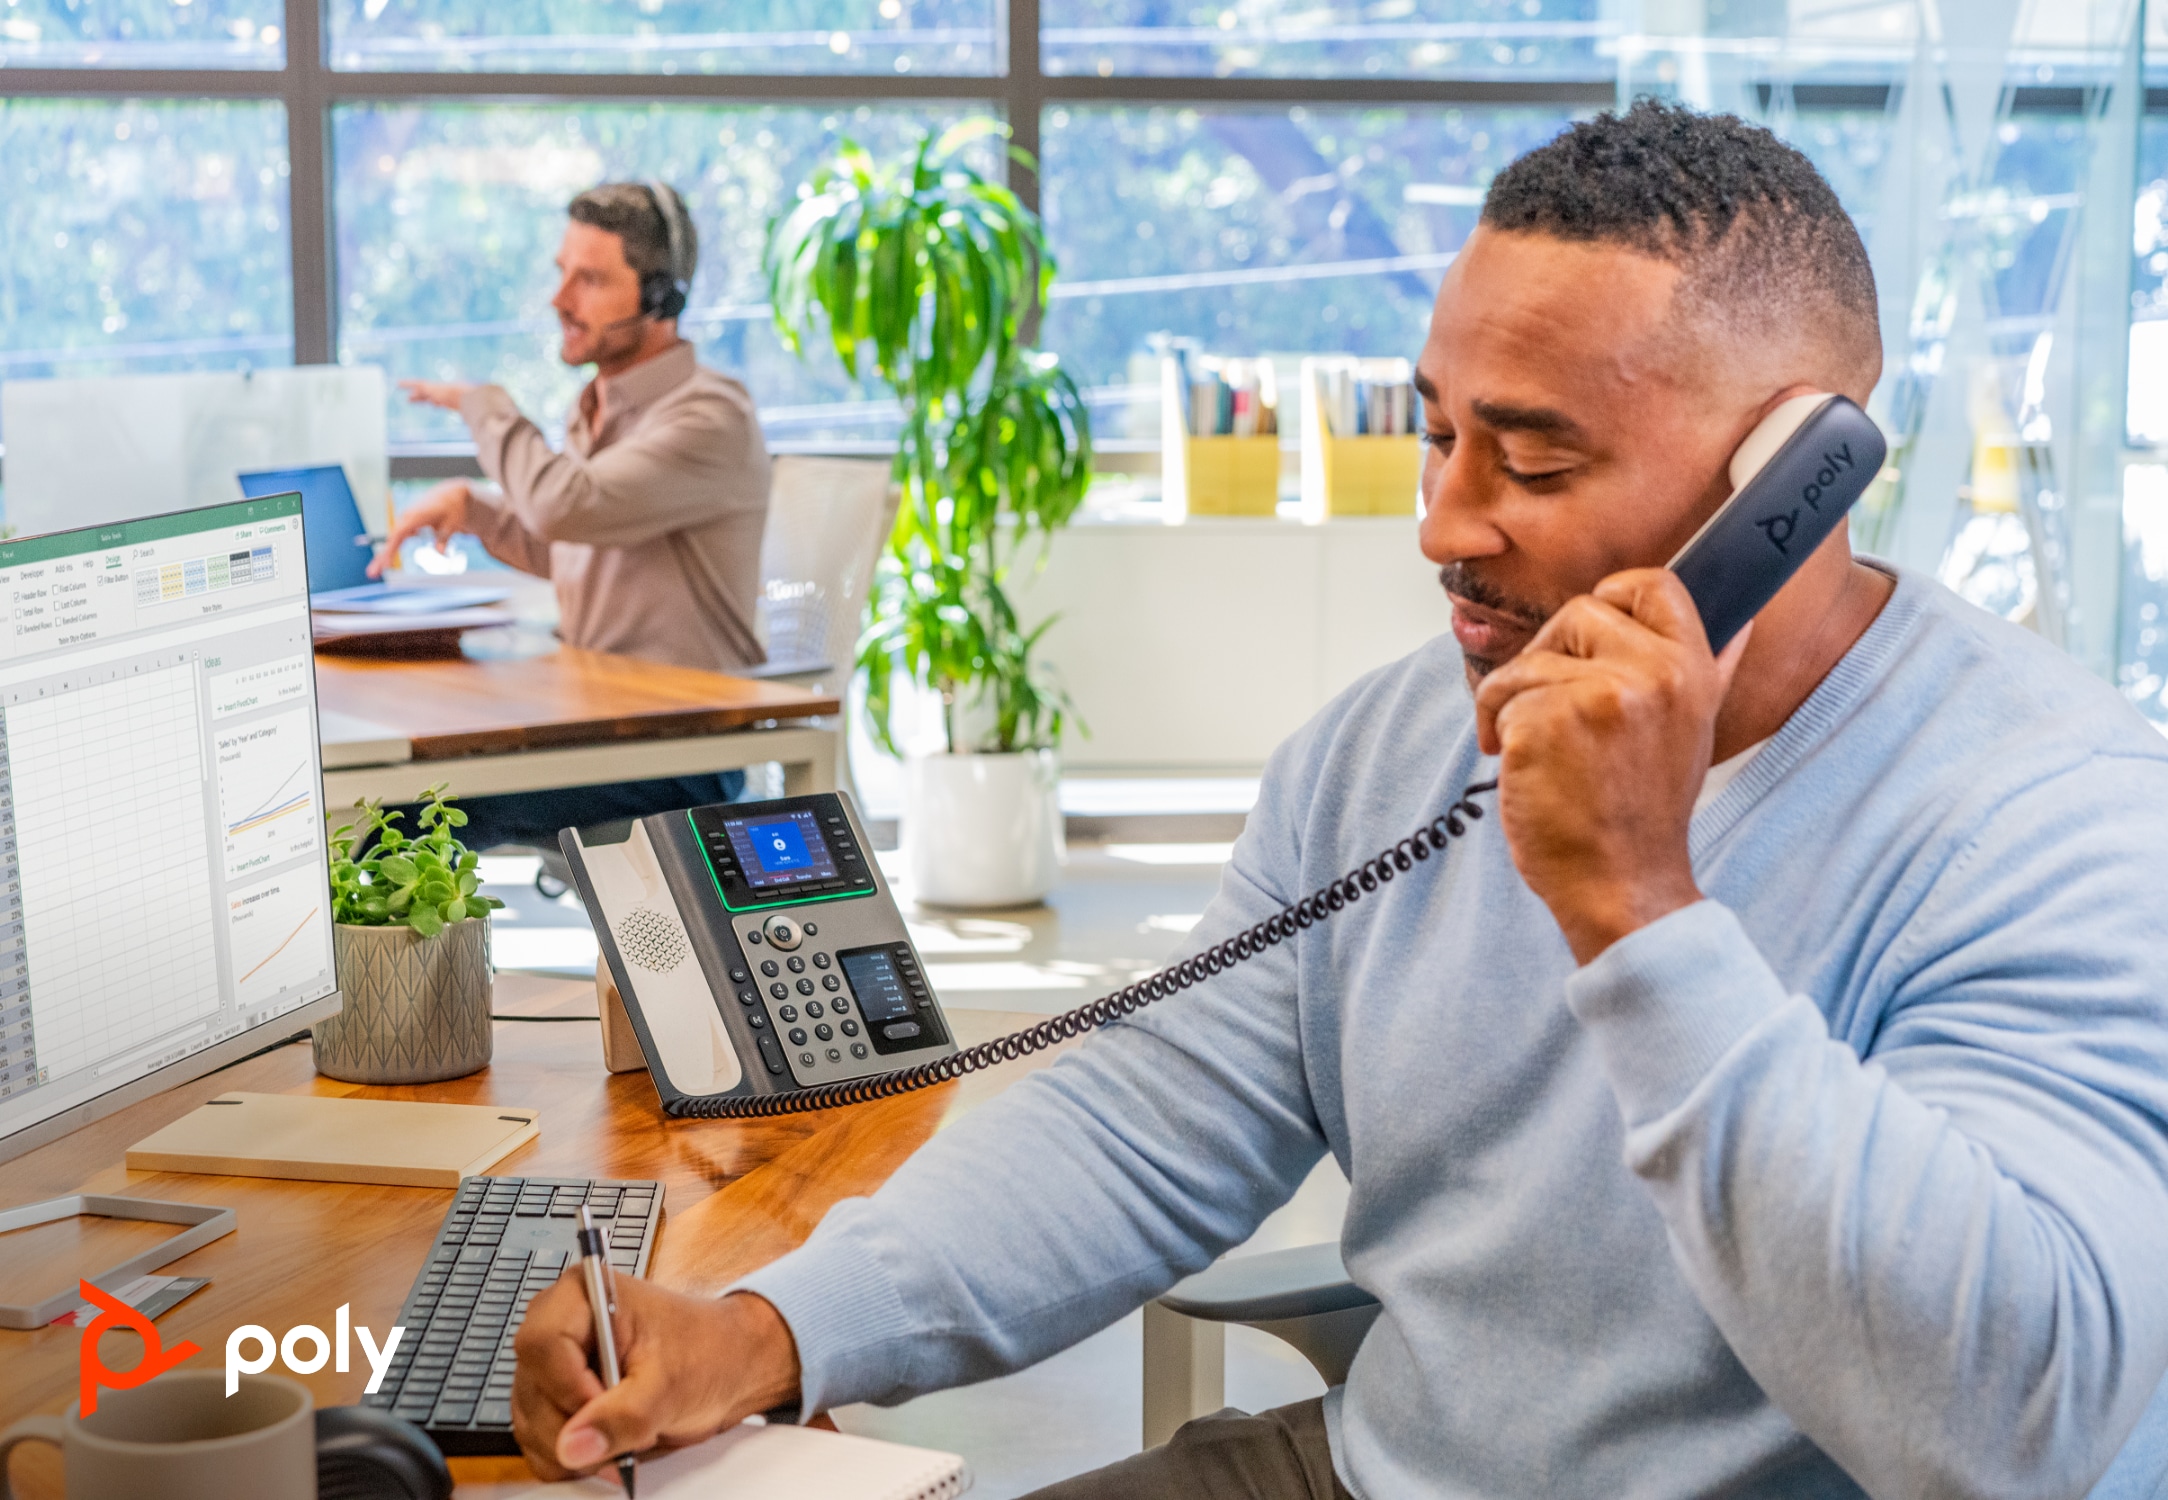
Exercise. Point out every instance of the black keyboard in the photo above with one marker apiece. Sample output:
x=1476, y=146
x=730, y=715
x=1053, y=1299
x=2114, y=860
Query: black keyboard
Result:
x=503, y=1240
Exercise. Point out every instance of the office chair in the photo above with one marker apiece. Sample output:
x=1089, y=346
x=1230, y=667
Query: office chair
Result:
x=1302, y=1296
x=828, y=519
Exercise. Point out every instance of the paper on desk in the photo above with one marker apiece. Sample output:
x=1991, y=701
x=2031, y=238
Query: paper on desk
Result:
x=755, y=1462
x=151, y=1296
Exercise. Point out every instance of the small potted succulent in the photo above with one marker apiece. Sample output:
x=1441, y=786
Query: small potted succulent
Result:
x=413, y=949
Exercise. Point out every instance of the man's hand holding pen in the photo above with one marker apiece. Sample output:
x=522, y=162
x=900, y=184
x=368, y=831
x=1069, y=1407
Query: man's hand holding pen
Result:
x=691, y=1367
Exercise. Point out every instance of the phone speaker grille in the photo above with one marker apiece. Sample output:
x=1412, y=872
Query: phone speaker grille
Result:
x=651, y=940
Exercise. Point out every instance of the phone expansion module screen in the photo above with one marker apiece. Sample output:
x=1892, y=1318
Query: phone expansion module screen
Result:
x=873, y=979
x=780, y=850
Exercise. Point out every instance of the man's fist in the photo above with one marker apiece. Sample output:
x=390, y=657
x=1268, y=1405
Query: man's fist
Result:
x=691, y=1367
x=1604, y=724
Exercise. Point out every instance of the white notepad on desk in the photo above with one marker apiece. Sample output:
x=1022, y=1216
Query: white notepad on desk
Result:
x=753, y=1462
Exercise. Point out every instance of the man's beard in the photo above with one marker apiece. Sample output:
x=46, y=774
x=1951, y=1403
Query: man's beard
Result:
x=1455, y=578
x=605, y=341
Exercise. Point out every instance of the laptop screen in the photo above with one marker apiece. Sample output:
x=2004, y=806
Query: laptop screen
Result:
x=339, y=548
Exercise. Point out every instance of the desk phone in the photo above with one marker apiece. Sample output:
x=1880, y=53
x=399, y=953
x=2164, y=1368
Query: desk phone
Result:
x=756, y=947
x=777, y=906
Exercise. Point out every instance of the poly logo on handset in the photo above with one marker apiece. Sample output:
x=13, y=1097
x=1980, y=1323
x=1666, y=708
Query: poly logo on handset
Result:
x=1834, y=463
x=1781, y=527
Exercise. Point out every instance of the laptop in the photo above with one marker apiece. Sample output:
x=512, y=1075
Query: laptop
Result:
x=340, y=549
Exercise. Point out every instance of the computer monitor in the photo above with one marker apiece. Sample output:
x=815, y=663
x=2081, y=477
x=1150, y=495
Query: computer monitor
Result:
x=165, y=902
x=339, y=549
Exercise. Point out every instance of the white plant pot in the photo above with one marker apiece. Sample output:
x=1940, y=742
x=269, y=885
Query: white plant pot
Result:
x=982, y=830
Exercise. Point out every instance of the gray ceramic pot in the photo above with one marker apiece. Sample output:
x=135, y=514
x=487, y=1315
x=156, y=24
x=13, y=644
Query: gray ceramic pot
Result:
x=417, y=1009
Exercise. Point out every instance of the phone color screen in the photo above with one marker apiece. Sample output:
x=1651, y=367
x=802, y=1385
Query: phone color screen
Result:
x=780, y=850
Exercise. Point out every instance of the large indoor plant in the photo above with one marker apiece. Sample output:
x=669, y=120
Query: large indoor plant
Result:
x=929, y=277
x=412, y=932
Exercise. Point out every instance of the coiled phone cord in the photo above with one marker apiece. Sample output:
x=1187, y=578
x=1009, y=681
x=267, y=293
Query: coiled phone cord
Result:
x=1316, y=907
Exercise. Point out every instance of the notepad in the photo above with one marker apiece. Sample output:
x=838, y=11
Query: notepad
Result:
x=753, y=1462
x=334, y=1138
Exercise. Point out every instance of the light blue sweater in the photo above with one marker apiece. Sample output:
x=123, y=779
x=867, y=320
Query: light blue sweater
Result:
x=1853, y=1176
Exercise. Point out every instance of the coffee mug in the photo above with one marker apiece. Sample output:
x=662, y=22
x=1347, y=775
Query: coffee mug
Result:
x=181, y=1437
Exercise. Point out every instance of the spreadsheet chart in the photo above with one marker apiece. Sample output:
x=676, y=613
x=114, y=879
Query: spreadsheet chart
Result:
x=106, y=782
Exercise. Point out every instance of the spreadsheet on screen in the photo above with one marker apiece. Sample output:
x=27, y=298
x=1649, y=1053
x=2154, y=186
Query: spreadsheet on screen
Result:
x=162, y=867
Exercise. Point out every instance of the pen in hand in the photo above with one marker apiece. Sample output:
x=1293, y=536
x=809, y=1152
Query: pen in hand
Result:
x=602, y=1298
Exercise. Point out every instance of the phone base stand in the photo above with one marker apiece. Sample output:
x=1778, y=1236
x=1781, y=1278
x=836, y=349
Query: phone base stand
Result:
x=620, y=1043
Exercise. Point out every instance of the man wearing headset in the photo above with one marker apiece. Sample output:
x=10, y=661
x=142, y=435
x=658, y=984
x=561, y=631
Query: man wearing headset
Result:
x=649, y=520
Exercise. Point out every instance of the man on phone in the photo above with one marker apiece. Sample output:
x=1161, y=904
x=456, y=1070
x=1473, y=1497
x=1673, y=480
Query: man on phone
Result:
x=1770, y=1098
x=649, y=520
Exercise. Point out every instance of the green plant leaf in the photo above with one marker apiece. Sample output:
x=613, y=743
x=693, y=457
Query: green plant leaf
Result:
x=935, y=271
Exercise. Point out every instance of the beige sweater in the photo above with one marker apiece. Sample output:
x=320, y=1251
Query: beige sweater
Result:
x=648, y=522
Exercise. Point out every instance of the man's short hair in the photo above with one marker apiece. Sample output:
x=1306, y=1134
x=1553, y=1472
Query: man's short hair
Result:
x=1757, y=231
x=627, y=210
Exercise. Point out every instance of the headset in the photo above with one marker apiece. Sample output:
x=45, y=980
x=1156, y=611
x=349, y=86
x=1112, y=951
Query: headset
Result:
x=663, y=293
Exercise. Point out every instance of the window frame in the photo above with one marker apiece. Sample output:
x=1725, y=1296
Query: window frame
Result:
x=309, y=89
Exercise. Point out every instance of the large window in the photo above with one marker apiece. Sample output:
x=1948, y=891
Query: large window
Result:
x=1473, y=39
x=141, y=34
x=142, y=234
x=1257, y=230
x=684, y=36
x=448, y=215
x=217, y=182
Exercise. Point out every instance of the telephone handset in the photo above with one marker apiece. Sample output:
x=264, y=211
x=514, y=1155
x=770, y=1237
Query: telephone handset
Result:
x=1794, y=478
x=765, y=969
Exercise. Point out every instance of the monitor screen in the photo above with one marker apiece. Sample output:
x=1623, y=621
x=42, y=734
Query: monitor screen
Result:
x=783, y=849
x=165, y=903
x=339, y=548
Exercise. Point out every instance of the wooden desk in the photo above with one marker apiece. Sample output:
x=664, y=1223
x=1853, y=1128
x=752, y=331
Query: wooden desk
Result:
x=565, y=718
x=737, y=1194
